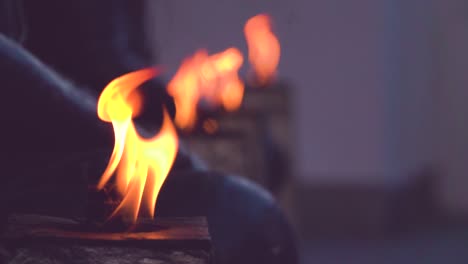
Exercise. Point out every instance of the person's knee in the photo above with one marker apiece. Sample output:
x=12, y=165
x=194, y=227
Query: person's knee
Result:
x=245, y=222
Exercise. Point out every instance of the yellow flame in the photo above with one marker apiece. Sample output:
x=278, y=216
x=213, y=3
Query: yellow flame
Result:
x=141, y=164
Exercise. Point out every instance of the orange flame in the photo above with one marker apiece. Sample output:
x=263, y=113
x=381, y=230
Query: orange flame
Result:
x=203, y=77
x=141, y=164
x=264, y=48
x=214, y=78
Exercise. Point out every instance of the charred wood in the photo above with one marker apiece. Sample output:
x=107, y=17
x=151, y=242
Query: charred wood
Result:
x=44, y=239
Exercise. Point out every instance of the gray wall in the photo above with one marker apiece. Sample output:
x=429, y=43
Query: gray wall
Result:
x=452, y=96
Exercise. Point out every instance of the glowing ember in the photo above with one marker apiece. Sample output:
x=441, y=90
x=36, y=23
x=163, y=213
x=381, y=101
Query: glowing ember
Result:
x=264, y=47
x=210, y=126
x=212, y=78
x=141, y=164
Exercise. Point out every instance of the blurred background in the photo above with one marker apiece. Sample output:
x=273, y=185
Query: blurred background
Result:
x=363, y=138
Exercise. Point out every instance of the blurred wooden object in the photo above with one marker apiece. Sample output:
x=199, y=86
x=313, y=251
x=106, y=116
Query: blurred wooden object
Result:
x=253, y=141
x=45, y=239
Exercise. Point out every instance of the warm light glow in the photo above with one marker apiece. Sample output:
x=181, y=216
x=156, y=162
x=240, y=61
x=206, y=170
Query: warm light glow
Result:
x=210, y=126
x=141, y=164
x=213, y=78
x=264, y=48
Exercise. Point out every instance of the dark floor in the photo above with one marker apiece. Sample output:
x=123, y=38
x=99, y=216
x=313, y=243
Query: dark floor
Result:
x=445, y=247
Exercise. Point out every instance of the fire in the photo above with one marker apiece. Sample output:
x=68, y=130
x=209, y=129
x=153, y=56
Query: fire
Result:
x=264, y=47
x=141, y=164
x=213, y=78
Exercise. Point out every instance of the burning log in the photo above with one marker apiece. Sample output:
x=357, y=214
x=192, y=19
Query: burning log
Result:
x=261, y=234
x=43, y=239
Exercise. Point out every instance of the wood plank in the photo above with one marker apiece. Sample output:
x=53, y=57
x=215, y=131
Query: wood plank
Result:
x=163, y=232
x=45, y=239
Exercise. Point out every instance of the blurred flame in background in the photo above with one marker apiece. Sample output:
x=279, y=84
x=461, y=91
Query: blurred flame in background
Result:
x=264, y=48
x=214, y=78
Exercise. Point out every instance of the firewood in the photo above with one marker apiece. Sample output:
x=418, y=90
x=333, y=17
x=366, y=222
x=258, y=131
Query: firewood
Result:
x=45, y=239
